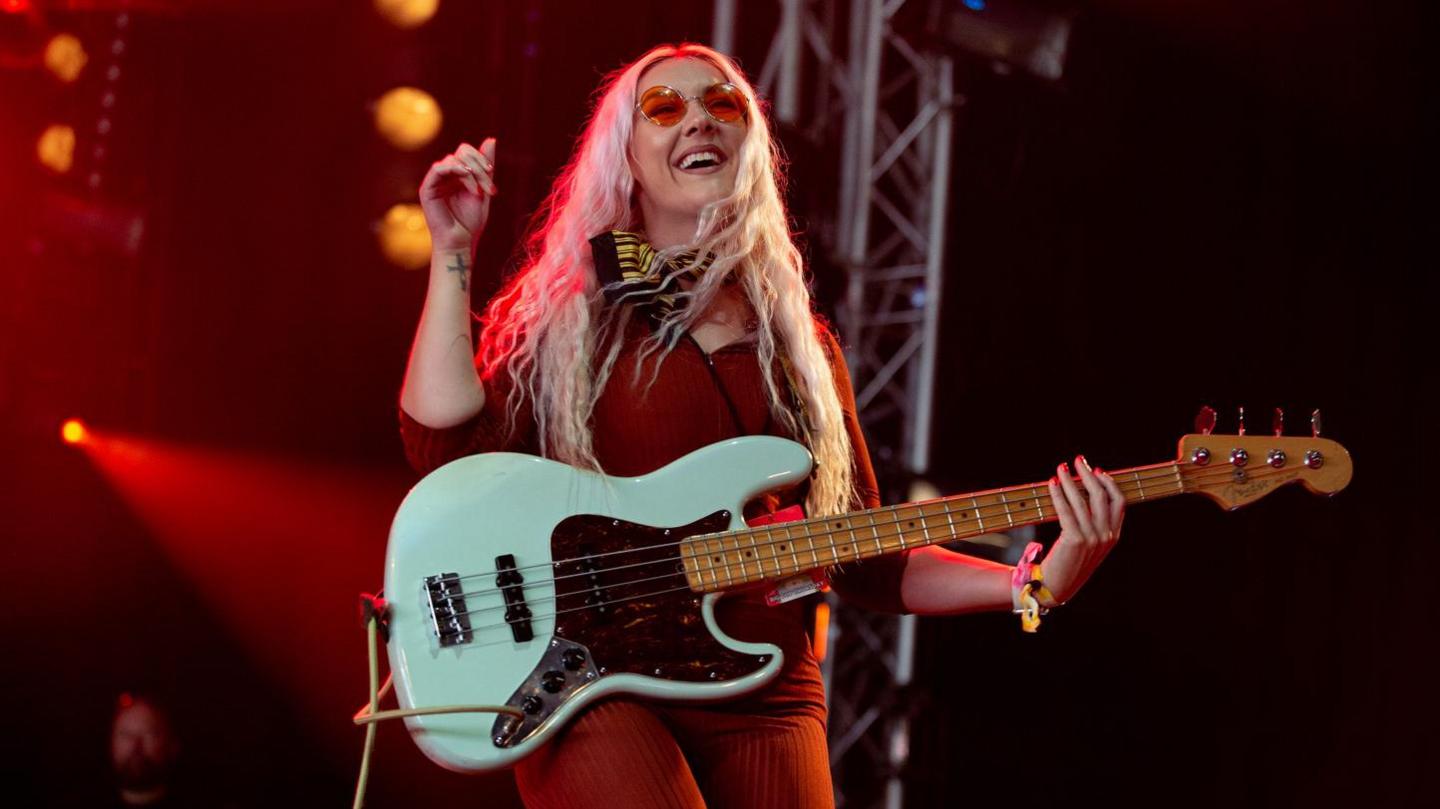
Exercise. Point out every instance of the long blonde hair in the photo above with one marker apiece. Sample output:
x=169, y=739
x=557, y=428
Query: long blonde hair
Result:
x=546, y=326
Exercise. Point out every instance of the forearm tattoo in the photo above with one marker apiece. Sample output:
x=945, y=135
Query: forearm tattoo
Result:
x=461, y=267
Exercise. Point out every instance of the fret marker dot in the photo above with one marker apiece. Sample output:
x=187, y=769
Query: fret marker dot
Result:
x=782, y=547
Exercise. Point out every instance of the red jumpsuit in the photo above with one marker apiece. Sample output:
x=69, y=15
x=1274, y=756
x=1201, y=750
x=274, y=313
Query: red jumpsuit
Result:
x=765, y=750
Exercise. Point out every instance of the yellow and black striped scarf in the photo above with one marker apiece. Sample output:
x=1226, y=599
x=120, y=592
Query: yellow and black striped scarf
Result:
x=629, y=271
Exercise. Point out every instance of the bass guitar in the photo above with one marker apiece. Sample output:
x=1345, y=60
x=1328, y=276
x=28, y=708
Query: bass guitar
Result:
x=518, y=581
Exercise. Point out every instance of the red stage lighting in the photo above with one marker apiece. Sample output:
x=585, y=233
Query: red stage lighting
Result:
x=14, y=6
x=73, y=431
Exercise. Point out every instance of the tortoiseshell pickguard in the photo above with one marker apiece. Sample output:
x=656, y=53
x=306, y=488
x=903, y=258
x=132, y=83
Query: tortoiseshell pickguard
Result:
x=621, y=591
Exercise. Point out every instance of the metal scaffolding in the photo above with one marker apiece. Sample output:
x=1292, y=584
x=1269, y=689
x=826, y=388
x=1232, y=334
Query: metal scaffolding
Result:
x=896, y=101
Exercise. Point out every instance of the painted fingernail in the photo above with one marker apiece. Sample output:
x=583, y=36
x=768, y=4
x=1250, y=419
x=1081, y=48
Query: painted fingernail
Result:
x=1054, y=481
x=1080, y=461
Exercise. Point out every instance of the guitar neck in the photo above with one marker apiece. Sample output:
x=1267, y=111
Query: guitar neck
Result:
x=715, y=562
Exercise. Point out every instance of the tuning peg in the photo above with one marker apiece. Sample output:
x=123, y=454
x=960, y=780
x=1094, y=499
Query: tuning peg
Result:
x=1242, y=421
x=1315, y=423
x=1278, y=422
x=1205, y=420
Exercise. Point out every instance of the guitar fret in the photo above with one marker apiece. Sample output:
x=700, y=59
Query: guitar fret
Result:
x=811, y=539
x=760, y=551
x=975, y=506
x=924, y=528
x=789, y=540
x=1179, y=481
x=1005, y=505
x=1141, y=486
x=724, y=554
x=879, y=544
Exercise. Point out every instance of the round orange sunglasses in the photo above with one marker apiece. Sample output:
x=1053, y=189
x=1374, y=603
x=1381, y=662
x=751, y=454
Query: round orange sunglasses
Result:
x=665, y=106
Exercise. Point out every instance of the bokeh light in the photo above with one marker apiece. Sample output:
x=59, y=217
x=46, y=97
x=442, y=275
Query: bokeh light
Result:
x=73, y=431
x=56, y=148
x=408, y=117
x=407, y=13
x=65, y=57
x=404, y=239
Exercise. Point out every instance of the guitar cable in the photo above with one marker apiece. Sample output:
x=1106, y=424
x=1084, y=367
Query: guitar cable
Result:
x=373, y=611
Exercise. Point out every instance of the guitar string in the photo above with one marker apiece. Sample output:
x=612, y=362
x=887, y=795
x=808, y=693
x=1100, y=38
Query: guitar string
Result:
x=1165, y=471
x=556, y=598
x=1003, y=511
x=448, y=633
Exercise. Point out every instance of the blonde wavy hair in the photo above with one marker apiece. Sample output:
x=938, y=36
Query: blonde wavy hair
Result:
x=549, y=325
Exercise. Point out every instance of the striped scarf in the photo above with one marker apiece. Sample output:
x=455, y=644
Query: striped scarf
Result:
x=630, y=271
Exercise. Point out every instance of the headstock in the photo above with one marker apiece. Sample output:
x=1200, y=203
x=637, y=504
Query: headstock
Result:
x=1235, y=470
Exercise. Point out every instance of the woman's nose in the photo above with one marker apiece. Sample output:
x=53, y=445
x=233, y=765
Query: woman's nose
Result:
x=696, y=119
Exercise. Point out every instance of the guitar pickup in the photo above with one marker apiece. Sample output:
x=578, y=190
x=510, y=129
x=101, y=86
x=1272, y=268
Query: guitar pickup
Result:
x=449, y=617
x=511, y=584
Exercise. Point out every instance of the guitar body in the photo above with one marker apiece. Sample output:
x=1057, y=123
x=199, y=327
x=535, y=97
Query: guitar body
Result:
x=514, y=580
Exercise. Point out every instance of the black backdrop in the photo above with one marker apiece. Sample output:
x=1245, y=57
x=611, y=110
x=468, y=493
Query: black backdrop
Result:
x=1219, y=205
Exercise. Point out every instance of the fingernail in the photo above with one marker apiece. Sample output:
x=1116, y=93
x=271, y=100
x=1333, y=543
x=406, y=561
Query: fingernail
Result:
x=1080, y=461
x=1054, y=481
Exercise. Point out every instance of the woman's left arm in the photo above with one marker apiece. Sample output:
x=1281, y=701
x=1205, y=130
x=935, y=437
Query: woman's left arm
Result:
x=941, y=582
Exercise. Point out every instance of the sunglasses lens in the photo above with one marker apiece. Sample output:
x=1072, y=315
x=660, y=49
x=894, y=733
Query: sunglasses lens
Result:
x=663, y=106
x=725, y=103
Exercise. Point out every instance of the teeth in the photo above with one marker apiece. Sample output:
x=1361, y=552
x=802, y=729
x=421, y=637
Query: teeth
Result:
x=692, y=159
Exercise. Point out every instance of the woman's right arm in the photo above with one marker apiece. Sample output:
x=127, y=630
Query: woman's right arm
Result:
x=441, y=387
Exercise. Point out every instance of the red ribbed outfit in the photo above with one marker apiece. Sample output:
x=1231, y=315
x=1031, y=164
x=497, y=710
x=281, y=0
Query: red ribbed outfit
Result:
x=765, y=750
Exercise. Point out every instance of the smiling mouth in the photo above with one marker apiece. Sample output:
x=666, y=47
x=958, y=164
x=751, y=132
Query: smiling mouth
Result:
x=702, y=160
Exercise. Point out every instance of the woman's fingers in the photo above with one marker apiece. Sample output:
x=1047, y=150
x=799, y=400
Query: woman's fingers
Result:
x=446, y=174
x=482, y=166
x=1063, y=511
x=1099, y=506
x=1078, y=506
x=1117, y=504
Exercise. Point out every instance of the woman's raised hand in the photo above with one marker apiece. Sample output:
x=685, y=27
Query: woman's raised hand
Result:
x=456, y=194
x=1089, y=525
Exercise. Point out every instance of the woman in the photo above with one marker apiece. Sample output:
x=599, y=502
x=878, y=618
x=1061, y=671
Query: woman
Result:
x=581, y=363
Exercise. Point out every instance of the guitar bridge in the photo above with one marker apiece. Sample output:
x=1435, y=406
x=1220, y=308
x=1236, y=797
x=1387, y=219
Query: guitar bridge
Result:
x=449, y=617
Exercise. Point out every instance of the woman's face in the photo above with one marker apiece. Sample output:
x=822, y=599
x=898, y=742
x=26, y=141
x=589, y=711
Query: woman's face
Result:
x=671, y=185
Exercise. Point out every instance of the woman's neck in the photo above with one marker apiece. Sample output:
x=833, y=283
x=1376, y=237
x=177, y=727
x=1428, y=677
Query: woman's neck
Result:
x=664, y=231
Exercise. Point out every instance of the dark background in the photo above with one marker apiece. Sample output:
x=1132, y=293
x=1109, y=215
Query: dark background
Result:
x=1220, y=204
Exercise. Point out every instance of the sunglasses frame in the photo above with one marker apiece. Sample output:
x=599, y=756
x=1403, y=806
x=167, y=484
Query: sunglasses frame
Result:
x=744, y=107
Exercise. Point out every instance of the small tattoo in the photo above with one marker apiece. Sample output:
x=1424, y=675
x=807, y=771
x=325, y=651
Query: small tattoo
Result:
x=461, y=267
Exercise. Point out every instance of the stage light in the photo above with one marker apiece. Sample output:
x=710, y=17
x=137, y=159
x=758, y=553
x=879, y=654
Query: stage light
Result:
x=73, y=431
x=408, y=117
x=65, y=57
x=14, y=6
x=820, y=641
x=407, y=13
x=56, y=148
x=404, y=239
